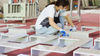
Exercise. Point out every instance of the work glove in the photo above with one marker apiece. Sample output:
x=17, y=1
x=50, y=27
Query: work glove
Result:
x=73, y=29
x=63, y=33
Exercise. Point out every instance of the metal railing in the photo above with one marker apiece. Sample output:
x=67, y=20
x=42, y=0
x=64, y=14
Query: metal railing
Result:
x=78, y=11
x=20, y=11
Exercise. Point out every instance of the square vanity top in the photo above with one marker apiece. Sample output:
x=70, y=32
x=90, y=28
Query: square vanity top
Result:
x=79, y=42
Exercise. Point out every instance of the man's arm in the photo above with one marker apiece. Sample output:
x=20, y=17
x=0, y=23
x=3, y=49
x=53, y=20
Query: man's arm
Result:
x=69, y=20
x=53, y=24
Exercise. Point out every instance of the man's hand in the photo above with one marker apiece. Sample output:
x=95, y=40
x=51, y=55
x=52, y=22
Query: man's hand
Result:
x=73, y=29
x=64, y=33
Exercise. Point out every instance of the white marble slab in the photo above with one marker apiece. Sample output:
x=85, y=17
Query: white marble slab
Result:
x=97, y=43
x=2, y=24
x=2, y=55
x=78, y=42
x=9, y=26
x=82, y=51
x=20, y=41
x=82, y=33
x=23, y=55
x=7, y=38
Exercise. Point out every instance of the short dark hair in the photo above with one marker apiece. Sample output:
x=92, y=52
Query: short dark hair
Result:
x=60, y=2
